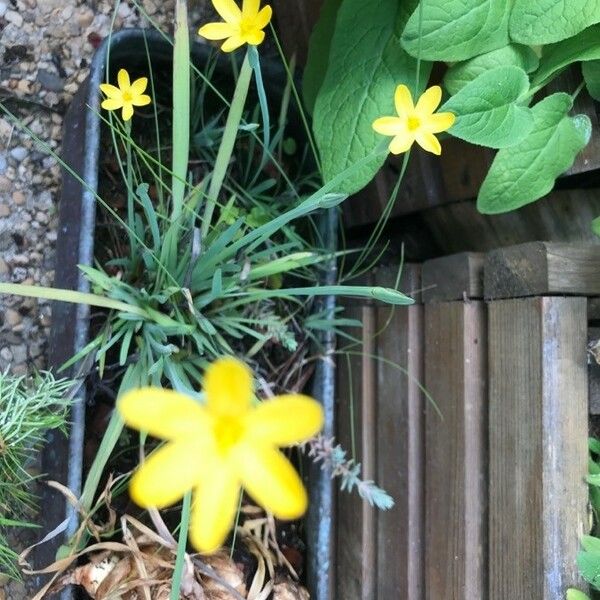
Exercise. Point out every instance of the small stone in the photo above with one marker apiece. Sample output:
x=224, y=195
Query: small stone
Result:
x=24, y=86
x=3, y=163
x=12, y=16
x=85, y=17
x=3, y=8
x=50, y=81
x=5, y=184
x=19, y=153
x=18, y=198
x=4, y=210
x=19, y=275
x=4, y=268
x=12, y=317
x=42, y=218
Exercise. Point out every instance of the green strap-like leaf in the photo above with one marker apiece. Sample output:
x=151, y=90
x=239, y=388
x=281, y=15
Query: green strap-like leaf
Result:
x=487, y=110
x=366, y=63
x=591, y=74
x=523, y=173
x=318, y=53
x=461, y=73
x=583, y=47
x=457, y=29
x=534, y=22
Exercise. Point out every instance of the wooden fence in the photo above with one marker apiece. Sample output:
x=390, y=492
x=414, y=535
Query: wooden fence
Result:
x=488, y=472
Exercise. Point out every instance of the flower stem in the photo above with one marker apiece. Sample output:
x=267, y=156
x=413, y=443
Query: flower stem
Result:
x=130, y=213
x=184, y=525
x=227, y=143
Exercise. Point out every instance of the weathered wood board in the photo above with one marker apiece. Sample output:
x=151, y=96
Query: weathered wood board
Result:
x=537, y=445
x=454, y=277
x=455, y=451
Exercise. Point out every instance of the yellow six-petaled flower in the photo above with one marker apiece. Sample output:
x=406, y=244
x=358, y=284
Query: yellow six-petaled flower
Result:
x=240, y=27
x=415, y=123
x=126, y=96
x=217, y=448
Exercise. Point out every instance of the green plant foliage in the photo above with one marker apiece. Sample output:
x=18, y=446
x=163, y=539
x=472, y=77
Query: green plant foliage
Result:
x=487, y=109
x=461, y=73
x=454, y=30
x=556, y=57
x=359, y=86
x=591, y=74
x=525, y=172
x=573, y=594
x=317, y=59
x=589, y=567
x=534, y=22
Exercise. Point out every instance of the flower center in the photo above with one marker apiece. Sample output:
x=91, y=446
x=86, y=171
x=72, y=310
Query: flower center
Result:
x=127, y=96
x=246, y=27
x=413, y=123
x=228, y=432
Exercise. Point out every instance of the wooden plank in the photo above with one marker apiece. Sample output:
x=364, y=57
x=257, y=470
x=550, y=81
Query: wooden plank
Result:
x=455, y=451
x=540, y=268
x=356, y=535
x=593, y=361
x=400, y=443
x=454, y=277
x=538, y=445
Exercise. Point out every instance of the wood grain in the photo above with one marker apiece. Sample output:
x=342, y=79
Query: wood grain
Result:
x=538, y=437
x=454, y=277
x=539, y=268
x=455, y=451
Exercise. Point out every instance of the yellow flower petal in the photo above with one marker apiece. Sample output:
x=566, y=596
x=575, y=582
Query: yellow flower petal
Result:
x=429, y=101
x=141, y=100
x=213, y=511
x=217, y=31
x=271, y=480
x=254, y=37
x=390, y=125
x=250, y=8
x=285, y=420
x=127, y=111
x=168, y=474
x=429, y=142
x=111, y=91
x=264, y=17
x=123, y=79
x=233, y=43
x=112, y=104
x=139, y=86
x=401, y=143
x=228, y=386
x=228, y=10
x=439, y=122
x=403, y=100
x=164, y=413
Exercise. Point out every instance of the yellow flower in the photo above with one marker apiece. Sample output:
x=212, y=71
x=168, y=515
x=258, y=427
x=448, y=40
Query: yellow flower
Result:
x=240, y=27
x=127, y=95
x=415, y=123
x=219, y=447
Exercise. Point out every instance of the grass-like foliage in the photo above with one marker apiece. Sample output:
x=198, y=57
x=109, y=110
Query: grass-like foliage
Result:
x=29, y=408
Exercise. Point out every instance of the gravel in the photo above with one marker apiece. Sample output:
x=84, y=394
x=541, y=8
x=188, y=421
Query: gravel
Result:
x=45, y=50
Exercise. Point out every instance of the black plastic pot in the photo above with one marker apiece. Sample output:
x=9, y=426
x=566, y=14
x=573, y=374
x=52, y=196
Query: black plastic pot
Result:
x=62, y=460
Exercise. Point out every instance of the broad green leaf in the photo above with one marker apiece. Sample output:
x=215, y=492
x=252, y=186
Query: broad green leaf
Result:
x=589, y=567
x=317, y=59
x=590, y=543
x=455, y=30
x=594, y=445
x=593, y=479
x=596, y=226
x=486, y=109
x=591, y=74
x=534, y=22
x=364, y=70
x=555, y=57
x=573, y=594
x=462, y=73
x=525, y=172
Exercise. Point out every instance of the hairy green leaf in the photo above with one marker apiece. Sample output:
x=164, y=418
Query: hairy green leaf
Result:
x=455, y=30
x=591, y=74
x=525, y=172
x=590, y=543
x=359, y=86
x=589, y=567
x=486, y=109
x=318, y=53
x=583, y=47
x=573, y=594
x=462, y=73
x=536, y=22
